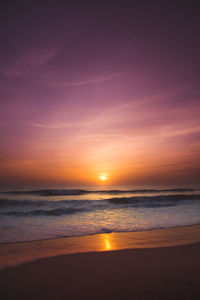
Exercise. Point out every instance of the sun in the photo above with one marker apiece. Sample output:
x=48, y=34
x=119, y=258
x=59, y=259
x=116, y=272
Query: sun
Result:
x=103, y=178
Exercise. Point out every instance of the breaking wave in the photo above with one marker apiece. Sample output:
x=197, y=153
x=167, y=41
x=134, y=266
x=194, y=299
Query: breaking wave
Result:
x=23, y=208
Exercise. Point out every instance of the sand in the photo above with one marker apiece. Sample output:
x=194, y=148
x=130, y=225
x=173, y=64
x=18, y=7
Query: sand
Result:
x=171, y=272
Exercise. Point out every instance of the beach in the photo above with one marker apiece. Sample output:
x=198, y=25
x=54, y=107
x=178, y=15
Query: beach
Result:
x=99, y=150
x=167, y=266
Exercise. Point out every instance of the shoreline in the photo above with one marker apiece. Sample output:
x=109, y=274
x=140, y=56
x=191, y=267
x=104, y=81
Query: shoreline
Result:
x=13, y=254
x=92, y=234
x=168, y=273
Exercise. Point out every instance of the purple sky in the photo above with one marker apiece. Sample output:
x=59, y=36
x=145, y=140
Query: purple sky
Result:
x=100, y=89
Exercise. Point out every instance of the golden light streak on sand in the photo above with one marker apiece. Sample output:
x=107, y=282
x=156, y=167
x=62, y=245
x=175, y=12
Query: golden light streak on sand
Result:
x=12, y=254
x=107, y=242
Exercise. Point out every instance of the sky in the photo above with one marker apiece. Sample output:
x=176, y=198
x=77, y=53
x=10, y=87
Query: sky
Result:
x=94, y=88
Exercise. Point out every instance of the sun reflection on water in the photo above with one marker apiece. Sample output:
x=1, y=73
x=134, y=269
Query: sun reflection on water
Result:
x=107, y=242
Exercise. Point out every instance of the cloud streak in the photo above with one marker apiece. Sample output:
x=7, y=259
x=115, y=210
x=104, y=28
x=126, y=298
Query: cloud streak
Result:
x=87, y=81
x=28, y=61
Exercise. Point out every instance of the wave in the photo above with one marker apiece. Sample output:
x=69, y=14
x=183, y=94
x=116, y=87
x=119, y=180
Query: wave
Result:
x=8, y=202
x=115, y=200
x=16, y=202
x=56, y=192
x=23, y=208
x=43, y=212
x=50, y=192
x=174, y=197
x=161, y=199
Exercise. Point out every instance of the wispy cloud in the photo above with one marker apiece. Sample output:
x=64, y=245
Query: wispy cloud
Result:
x=141, y=117
x=87, y=81
x=28, y=61
x=57, y=125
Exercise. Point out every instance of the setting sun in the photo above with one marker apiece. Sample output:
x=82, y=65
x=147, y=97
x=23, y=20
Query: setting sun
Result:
x=103, y=178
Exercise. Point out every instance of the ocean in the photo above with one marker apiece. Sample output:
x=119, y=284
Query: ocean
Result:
x=36, y=214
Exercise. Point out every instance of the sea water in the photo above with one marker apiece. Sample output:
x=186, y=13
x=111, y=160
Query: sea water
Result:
x=34, y=214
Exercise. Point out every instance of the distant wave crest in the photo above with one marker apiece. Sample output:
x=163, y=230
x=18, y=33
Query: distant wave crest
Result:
x=150, y=199
x=57, y=192
x=43, y=212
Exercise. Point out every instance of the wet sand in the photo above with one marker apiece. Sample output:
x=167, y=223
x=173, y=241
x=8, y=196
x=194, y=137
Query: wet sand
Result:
x=12, y=254
x=158, y=270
